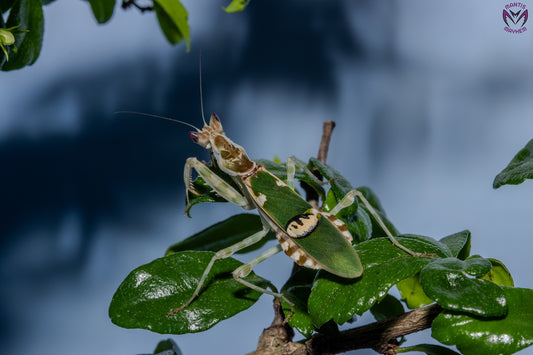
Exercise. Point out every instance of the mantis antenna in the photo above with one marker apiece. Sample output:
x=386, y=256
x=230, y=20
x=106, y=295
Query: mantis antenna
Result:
x=157, y=116
x=201, y=93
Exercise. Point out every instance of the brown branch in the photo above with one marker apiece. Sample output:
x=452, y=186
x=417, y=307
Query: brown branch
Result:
x=380, y=336
x=126, y=4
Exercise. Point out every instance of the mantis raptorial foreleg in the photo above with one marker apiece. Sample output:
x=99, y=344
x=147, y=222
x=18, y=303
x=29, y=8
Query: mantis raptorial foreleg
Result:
x=349, y=199
x=218, y=184
x=222, y=254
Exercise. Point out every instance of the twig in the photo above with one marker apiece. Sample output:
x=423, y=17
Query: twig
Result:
x=126, y=4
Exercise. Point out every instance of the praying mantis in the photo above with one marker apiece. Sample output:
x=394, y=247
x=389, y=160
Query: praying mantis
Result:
x=312, y=238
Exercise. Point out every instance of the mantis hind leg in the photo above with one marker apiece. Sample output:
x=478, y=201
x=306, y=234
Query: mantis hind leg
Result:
x=221, y=254
x=245, y=269
x=349, y=199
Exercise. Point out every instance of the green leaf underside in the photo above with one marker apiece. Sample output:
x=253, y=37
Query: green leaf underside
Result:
x=172, y=17
x=499, y=274
x=452, y=283
x=6, y=5
x=326, y=245
x=384, y=266
x=412, y=292
x=519, y=169
x=389, y=306
x=102, y=9
x=236, y=6
x=474, y=335
x=28, y=15
x=149, y=292
x=224, y=234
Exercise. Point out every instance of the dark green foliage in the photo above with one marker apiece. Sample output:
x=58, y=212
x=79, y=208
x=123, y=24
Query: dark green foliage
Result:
x=481, y=313
x=27, y=15
x=518, y=170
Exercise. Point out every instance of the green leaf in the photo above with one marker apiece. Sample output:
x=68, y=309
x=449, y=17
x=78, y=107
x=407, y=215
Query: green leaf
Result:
x=172, y=18
x=499, y=274
x=388, y=307
x=28, y=16
x=353, y=216
x=297, y=290
x=458, y=244
x=412, y=292
x=447, y=281
x=339, y=185
x=430, y=349
x=167, y=347
x=102, y=9
x=150, y=291
x=518, y=170
x=384, y=265
x=236, y=5
x=489, y=336
x=224, y=234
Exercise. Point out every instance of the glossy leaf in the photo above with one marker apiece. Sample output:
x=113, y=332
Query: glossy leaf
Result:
x=458, y=244
x=236, y=5
x=390, y=306
x=499, y=274
x=28, y=16
x=487, y=336
x=384, y=266
x=429, y=349
x=412, y=292
x=150, y=291
x=449, y=282
x=224, y=234
x=519, y=169
x=172, y=17
x=102, y=9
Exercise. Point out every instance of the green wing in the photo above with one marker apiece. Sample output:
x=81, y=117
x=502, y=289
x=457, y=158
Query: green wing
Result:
x=325, y=245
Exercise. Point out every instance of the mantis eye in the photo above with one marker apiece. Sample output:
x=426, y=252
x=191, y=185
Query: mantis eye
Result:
x=193, y=136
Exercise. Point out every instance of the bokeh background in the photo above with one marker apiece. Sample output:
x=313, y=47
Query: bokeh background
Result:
x=431, y=98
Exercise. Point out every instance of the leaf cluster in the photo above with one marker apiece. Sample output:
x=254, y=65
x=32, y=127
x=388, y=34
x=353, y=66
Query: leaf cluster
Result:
x=481, y=310
x=21, y=34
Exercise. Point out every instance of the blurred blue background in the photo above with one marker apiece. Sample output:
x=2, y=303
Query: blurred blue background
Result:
x=431, y=100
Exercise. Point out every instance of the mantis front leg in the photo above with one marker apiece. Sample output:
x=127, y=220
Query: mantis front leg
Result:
x=218, y=184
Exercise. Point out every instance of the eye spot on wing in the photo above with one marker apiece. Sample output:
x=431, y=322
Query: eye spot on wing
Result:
x=302, y=225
